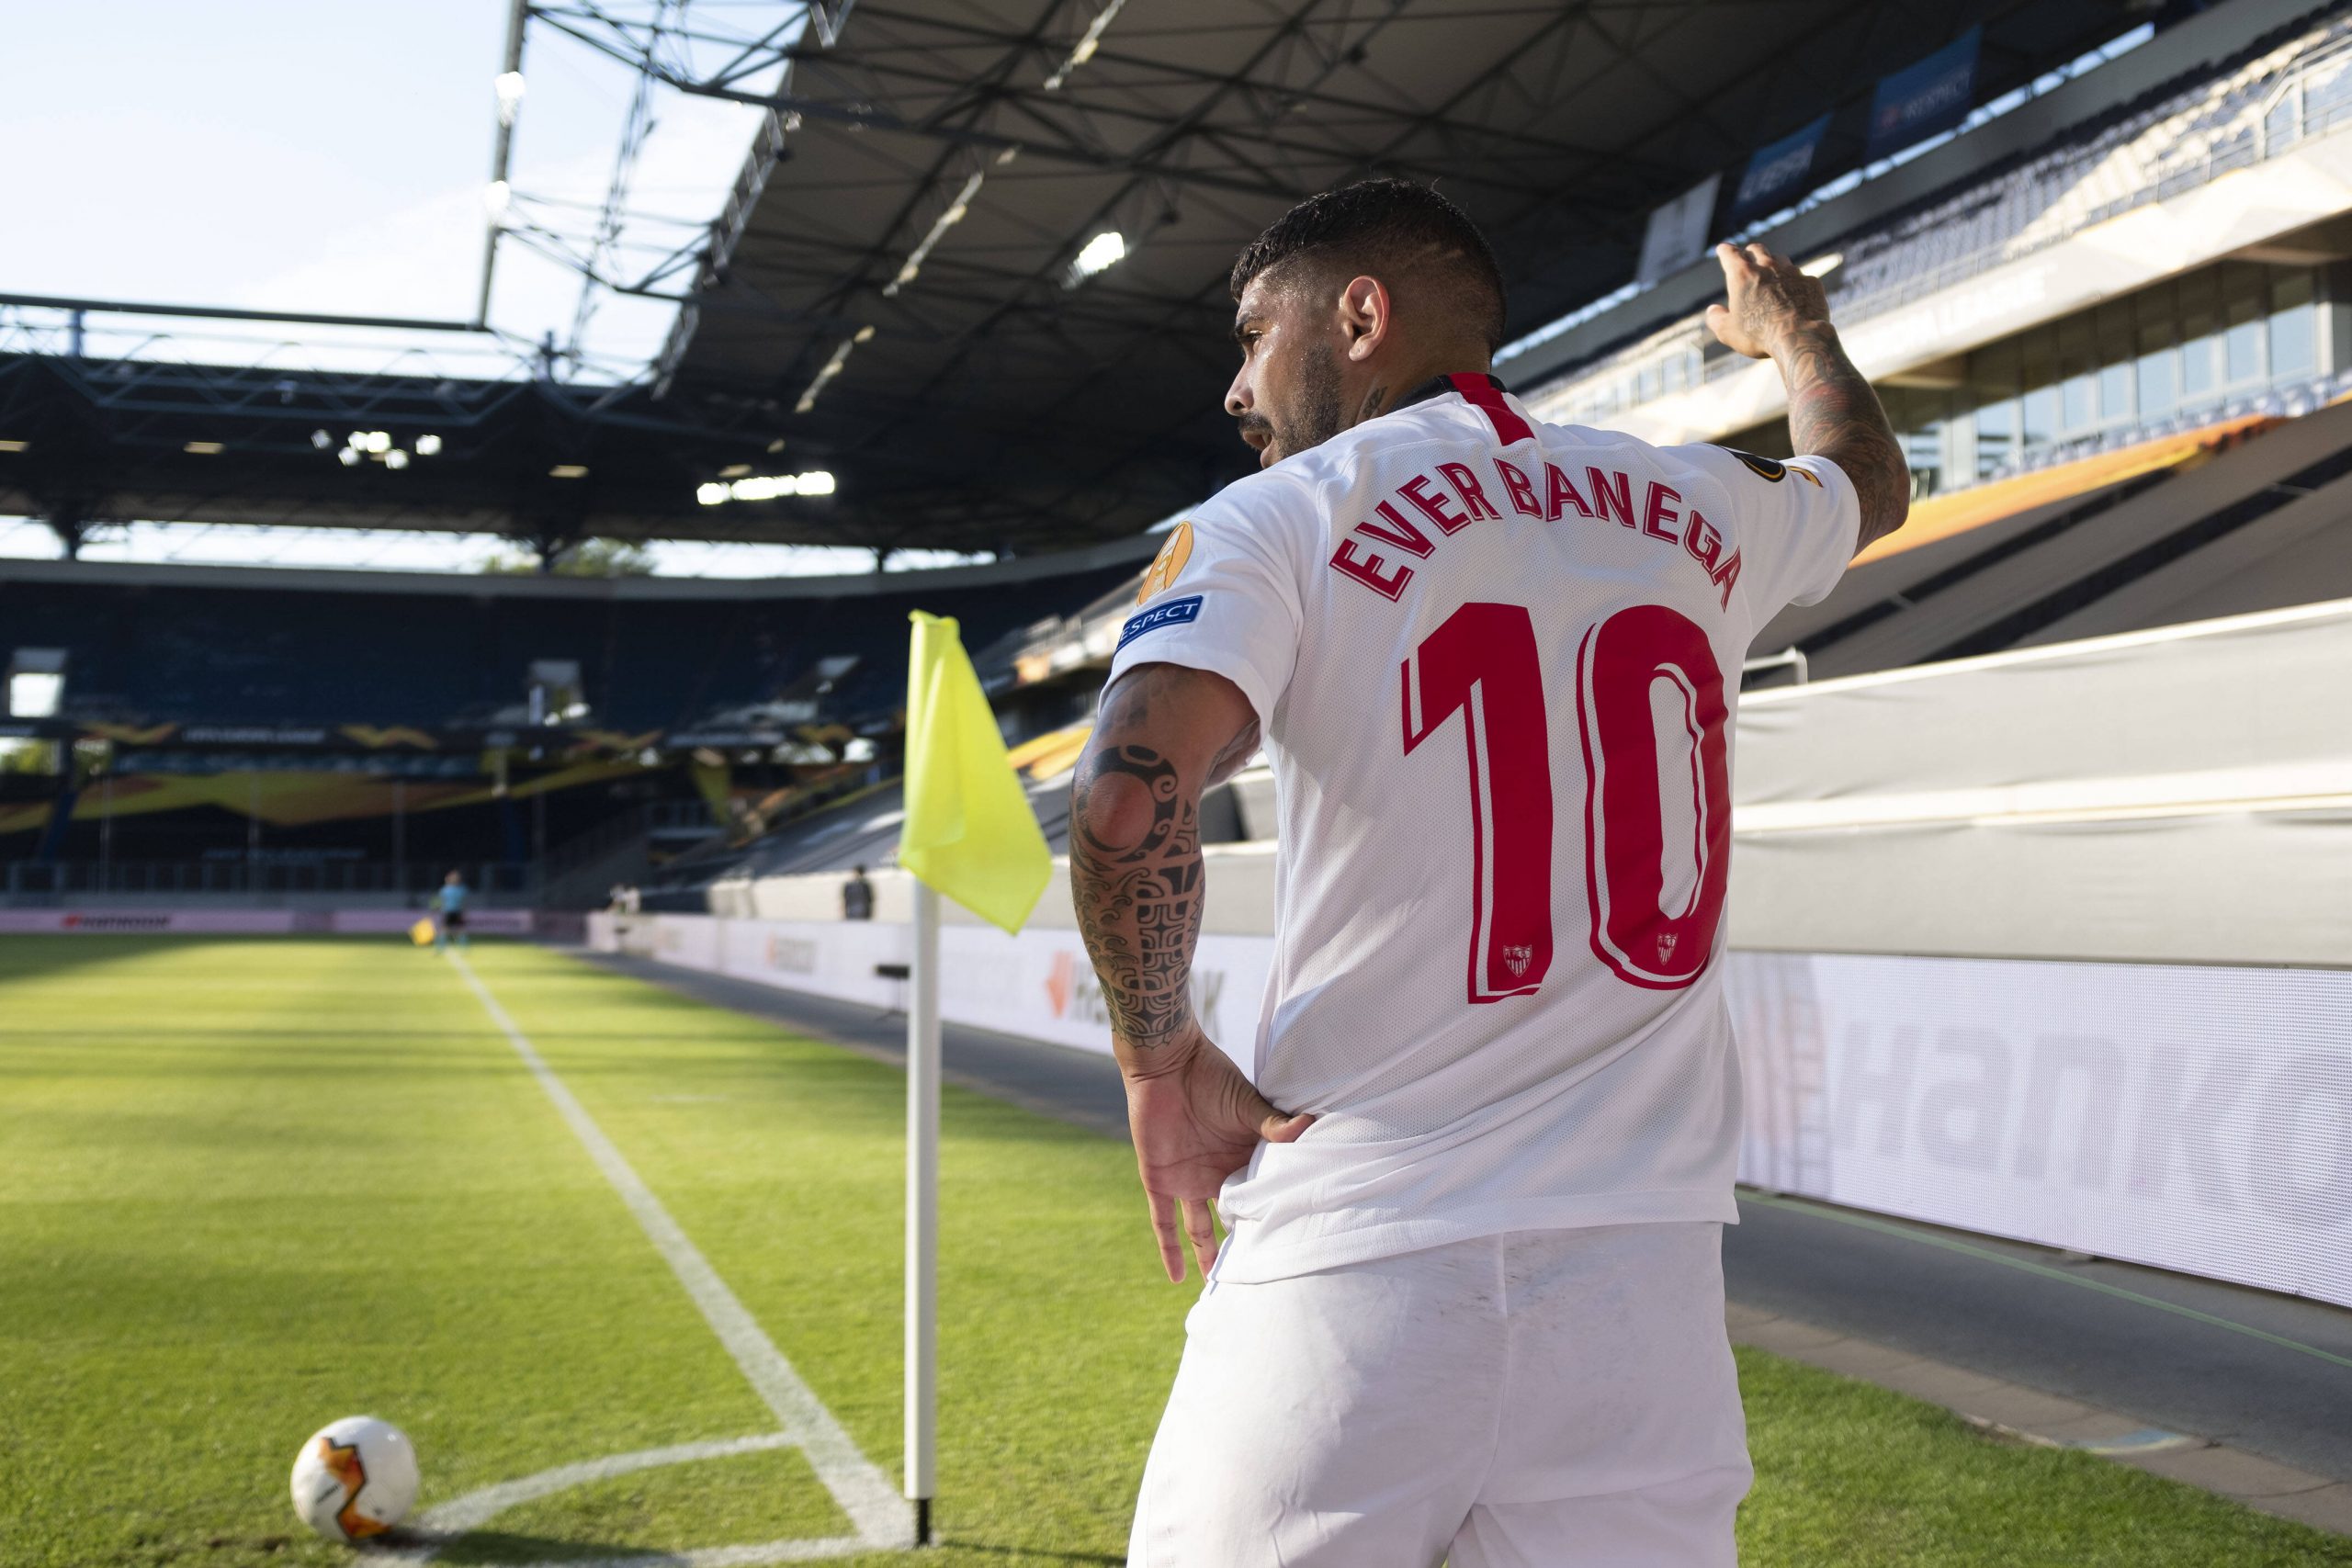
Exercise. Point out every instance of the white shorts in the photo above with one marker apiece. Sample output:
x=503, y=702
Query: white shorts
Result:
x=1544, y=1399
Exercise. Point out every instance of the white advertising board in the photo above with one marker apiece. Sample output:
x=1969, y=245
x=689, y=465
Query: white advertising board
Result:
x=1038, y=984
x=481, y=922
x=247, y=922
x=2193, y=1117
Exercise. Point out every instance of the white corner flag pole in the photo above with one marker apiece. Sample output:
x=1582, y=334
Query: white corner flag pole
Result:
x=922, y=1207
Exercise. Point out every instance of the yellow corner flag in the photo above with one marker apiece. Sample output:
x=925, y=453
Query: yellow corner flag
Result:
x=969, y=832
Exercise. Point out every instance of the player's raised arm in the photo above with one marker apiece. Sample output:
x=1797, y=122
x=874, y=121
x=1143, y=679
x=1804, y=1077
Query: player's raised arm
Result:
x=1774, y=311
x=1165, y=734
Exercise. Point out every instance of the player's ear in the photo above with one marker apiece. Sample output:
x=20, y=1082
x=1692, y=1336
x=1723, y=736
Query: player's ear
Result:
x=1364, y=316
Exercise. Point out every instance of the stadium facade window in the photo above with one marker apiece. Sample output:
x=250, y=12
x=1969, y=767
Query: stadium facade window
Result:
x=2041, y=423
x=2242, y=345
x=2074, y=402
x=1996, y=438
x=2157, y=370
x=2078, y=384
x=2187, y=349
x=2197, y=371
x=2115, y=393
x=2294, y=327
x=1934, y=439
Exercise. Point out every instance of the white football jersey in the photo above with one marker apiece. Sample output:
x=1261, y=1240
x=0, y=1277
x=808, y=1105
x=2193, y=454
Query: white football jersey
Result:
x=1495, y=664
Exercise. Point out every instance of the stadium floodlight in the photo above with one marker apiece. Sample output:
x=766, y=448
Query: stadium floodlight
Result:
x=497, y=197
x=16, y=446
x=831, y=368
x=396, y=458
x=569, y=471
x=203, y=448
x=35, y=682
x=348, y=457
x=34, y=695
x=428, y=445
x=378, y=442
x=508, y=85
x=1086, y=46
x=767, y=487
x=321, y=440
x=957, y=211
x=1103, y=251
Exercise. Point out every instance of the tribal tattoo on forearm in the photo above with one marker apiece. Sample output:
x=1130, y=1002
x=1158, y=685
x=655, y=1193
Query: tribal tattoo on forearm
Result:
x=1834, y=413
x=1139, y=904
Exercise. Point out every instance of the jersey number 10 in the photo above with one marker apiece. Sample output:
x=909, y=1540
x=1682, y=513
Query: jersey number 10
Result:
x=1484, y=663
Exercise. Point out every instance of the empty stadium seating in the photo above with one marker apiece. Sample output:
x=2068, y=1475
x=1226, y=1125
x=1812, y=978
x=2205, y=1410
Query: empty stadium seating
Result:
x=2273, y=96
x=457, y=655
x=2179, y=136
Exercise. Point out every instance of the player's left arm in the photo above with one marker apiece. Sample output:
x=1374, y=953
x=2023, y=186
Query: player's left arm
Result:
x=1166, y=733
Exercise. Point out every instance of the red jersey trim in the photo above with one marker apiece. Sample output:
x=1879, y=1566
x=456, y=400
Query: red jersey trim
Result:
x=1481, y=393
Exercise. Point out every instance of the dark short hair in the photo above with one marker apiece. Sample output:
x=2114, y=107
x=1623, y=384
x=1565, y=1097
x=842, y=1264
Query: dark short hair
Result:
x=1391, y=222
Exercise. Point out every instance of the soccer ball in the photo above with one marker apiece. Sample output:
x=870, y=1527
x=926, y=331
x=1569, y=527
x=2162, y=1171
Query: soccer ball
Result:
x=355, y=1479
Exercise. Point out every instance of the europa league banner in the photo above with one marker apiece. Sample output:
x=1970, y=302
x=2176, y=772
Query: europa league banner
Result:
x=1922, y=99
x=1779, y=173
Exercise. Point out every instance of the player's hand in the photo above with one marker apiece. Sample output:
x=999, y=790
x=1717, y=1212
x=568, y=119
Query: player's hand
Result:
x=1196, y=1120
x=1769, y=301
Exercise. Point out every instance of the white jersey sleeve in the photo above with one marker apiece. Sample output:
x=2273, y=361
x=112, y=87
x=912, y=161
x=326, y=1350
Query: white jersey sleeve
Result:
x=1222, y=596
x=1803, y=515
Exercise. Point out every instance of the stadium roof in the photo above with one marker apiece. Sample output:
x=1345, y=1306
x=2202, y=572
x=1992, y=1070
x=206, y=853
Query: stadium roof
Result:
x=893, y=293
x=990, y=399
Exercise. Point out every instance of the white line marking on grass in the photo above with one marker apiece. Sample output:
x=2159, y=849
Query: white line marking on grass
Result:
x=442, y=1527
x=476, y=1509
x=865, y=1495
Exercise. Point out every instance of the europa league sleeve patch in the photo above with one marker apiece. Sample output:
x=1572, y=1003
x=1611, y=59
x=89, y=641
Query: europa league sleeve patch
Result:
x=1169, y=564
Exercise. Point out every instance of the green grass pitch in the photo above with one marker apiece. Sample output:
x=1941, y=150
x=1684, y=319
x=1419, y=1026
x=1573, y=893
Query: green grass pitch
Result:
x=248, y=1187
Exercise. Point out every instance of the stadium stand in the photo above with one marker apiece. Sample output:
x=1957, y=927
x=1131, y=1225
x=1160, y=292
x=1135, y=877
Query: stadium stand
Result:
x=2278, y=97
x=274, y=734
x=233, y=647
x=2274, y=96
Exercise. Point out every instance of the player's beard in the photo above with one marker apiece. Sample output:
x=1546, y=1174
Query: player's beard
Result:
x=1319, y=415
x=1316, y=417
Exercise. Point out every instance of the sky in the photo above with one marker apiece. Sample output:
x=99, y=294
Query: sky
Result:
x=334, y=156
